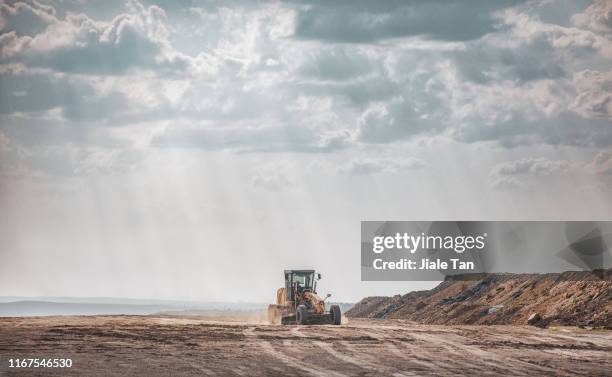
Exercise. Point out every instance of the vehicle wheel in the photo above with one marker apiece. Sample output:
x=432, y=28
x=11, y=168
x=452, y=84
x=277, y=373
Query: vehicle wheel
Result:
x=302, y=315
x=335, y=314
x=274, y=317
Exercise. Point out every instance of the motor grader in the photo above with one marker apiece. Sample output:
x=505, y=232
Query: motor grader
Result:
x=298, y=303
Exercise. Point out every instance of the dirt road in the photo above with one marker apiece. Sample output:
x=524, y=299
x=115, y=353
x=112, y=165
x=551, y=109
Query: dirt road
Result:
x=205, y=346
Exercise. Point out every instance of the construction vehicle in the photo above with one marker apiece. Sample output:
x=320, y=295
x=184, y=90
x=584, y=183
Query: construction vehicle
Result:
x=298, y=303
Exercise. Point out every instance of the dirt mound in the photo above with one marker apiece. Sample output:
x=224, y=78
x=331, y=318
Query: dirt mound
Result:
x=569, y=298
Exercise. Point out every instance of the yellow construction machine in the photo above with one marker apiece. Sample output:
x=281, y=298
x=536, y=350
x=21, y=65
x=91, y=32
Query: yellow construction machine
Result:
x=298, y=303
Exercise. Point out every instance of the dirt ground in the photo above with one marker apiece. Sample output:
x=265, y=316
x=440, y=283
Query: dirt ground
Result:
x=228, y=346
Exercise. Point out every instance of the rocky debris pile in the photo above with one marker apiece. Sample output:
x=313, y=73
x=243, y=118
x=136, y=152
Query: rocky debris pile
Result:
x=569, y=298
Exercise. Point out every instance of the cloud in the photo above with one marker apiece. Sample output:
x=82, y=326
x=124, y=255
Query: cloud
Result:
x=4, y=142
x=533, y=166
x=526, y=172
x=336, y=64
x=485, y=61
x=282, y=77
x=105, y=161
x=531, y=172
x=569, y=112
x=572, y=41
x=5, y=155
x=370, y=166
x=396, y=121
x=66, y=160
x=518, y=86
x=602, y=163
x=23, y=92
x=368, y=22
x=356, y=93
x=593, y=94
x=273, y=177
x=26, y=18
x=528, y=84
x=596, y=17
x=79, y=44
x=506, y=184
x=421, y=108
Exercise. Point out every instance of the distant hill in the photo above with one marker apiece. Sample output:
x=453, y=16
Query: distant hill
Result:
x=16, y=307
x=569, y=298
x=46, y=306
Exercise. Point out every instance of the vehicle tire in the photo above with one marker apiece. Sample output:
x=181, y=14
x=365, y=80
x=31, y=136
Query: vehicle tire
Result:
x=335, y=314
x=302, y=315
x=274, y=317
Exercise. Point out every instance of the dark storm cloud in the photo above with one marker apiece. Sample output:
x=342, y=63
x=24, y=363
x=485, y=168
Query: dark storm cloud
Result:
x=366, y=21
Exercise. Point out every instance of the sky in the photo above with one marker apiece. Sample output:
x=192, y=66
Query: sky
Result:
x=192, y=150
